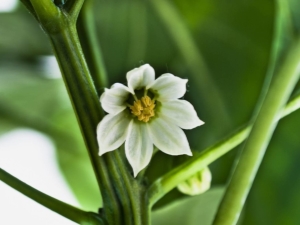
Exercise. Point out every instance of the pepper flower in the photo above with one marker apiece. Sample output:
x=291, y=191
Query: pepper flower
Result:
x=146, y=113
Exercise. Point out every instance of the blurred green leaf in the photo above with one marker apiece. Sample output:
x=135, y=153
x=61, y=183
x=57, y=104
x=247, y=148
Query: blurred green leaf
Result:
x=190, y=210
x=29, y=100
x=21, y=36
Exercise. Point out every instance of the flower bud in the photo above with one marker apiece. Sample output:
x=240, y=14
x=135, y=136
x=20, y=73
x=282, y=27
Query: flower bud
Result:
x=196, y=184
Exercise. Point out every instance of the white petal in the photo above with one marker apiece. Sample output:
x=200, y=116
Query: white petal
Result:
x=113, y=99
x=112, y=131
x=182, y=113
x=168, y=137
x=140, y=77
x=138, y=146
x=168, y=87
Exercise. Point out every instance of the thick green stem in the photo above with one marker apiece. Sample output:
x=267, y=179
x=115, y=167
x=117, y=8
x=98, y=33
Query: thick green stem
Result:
x=170, y=180
x=121, y=189
x=59, y=24
x=68, y=211
x=261, y=133
x=61, y=30
x=136, y=195
x=48, y=14
x=86, y=105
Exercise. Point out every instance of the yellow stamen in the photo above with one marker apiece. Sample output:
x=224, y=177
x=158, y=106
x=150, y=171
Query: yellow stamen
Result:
x=143, y=109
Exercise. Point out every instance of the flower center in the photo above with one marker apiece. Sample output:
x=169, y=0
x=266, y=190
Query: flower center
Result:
x=143, y=108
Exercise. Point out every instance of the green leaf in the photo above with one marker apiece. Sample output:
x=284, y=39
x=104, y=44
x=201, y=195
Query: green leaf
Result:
x=191, y=210
x=27, y=99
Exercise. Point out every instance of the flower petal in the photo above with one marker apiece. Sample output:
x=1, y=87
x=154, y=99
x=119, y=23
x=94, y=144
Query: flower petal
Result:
x=182, y=113
x=140, y=77
x=113, y=99
x=168, y=137
x=138, y=146
x=168, y=87
x=112, y=131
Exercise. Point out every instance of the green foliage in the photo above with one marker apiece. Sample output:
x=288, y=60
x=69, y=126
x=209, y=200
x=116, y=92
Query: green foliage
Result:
x=235, y=41
x=190, y=210
x=30, y=100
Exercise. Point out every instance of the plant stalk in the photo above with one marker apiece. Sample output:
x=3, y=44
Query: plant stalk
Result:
x=258, y=140
x=86, y=105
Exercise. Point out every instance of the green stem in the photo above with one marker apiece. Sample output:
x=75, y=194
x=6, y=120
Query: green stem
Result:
x=192, y=56
x=182, y=172
x=170, y=180
x=85, y=103
x=292, y=105
x=90, y=44
x=47, y=13
x=68, y=211
x=135, y=193
x=261, y=133
x=120, y=187
x=73, y=7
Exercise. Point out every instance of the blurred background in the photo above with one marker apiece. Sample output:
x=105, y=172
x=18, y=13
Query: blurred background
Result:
x=222, y=47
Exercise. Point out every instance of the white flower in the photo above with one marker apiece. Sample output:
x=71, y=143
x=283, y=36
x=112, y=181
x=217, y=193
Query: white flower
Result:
x=146, y=113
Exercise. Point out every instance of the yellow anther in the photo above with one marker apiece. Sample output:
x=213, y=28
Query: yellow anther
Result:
x=143, y=109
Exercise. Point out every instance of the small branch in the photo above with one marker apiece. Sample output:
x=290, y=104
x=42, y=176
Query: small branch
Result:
x=73, y=8
x=291, y=106
x=64, y=209
x=170, y=180
x=90, y=44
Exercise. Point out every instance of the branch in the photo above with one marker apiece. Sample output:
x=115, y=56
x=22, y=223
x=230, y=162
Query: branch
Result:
x=73, y=8
x=64, y=209
x=90, y=44
x=48, y=14
x=170, y=180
